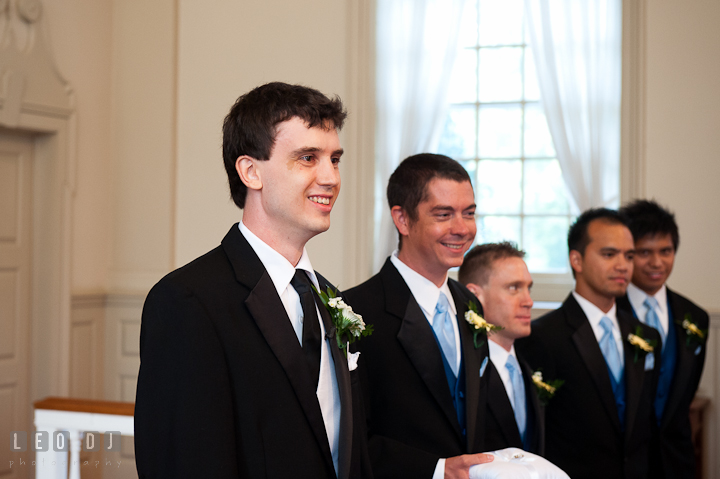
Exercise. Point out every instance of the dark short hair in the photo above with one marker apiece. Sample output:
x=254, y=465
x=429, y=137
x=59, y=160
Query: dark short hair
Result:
x=578, y=237
x=250, y=126
x=407, y=186
x=648, y=218
x=478, y=262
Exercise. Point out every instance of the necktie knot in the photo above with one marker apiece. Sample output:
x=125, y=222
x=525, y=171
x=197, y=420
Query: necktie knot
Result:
x=442, y=304
x=301, y=282
x=606, y=325
x=650, y=303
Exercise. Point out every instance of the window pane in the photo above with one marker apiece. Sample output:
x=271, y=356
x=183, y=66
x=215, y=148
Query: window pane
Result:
x=544, y=188
x=501, y=22
x=463, y=82
x=500, y=74
x=538, y=142
x=458, y=138
x=499, y=131
x=470, y=166
x=493, y=229
x=532, y=88
x=498, y=189
x=545, y=242
x=469, y=25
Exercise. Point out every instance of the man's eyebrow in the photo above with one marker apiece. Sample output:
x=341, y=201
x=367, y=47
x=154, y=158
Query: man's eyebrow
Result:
x=304, y=150
x=313, y=149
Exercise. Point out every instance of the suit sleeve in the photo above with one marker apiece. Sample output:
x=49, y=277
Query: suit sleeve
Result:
x=184, y=426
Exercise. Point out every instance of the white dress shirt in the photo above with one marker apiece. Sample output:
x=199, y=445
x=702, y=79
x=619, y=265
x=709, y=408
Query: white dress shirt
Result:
x=281, y=272
x=594, y=315
x=499, y=357
x=427, y=294
x=637, y=297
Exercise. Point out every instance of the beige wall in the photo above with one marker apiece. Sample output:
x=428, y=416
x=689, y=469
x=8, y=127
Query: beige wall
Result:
x=224, y=52
x=683, y=135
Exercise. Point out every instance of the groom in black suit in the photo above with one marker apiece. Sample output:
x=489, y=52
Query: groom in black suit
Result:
x=423, y=375
x=240, y=375
x=599, y=424
x=683, y=354
x=497, y=274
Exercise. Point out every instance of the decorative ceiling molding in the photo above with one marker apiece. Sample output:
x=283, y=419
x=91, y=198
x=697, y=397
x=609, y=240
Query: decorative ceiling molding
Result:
x=29, y=79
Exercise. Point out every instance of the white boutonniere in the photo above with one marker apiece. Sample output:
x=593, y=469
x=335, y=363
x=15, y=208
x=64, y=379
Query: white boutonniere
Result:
x=641, y=345
x=349, y=326
x=545, y=390
x=478, y=324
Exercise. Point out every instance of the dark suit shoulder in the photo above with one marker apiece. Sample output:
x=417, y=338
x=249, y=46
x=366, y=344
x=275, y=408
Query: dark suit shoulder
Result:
x=697, y=314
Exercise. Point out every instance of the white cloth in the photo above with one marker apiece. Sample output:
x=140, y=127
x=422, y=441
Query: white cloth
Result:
x=637, y=297
x=281, y=271
x=417, y=42
x=595, y=315
x=517, y=464
x=577, y=47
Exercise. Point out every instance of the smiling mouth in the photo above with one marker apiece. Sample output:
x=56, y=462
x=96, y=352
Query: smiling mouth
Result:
x=321, y=200
x=453, y=246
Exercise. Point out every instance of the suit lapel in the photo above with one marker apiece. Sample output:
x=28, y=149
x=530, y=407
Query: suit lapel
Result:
x=537, y=443
x=473, y=359
x=271, y=318
x=417, y=339
x=684, y=361
x=634, y=372
x=342, y=373
x=500, y=406
x=589, y=350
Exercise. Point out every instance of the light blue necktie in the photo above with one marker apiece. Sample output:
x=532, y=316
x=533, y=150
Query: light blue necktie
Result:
x=442, y=325
x=518, y=393
x=609, y=348
x=652, y=319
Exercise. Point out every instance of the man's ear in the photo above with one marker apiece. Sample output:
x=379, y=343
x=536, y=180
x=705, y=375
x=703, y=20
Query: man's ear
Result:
x=248, y=172
x=576, y=261
x=401, y=220
x=477, y=290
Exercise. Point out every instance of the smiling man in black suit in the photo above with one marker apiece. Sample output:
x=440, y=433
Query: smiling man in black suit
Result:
x=497, y=274
x=600, y=422
x=424, y=378
x=240, y=376
x=683, y=354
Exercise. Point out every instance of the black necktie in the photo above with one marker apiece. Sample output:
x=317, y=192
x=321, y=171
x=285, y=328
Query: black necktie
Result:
x=311, y=327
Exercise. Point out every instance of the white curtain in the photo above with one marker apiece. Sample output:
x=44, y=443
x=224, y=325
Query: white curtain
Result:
x=578, y=54
x=417, y=41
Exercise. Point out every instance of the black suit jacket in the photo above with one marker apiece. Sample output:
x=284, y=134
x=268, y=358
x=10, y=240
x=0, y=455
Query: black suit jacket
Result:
x=411, y=418
x=223, y=391
x=672, y=453
x=501, y=430
x=583, y=435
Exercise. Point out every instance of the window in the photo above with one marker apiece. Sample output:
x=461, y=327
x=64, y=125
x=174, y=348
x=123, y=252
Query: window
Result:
x=496, y=128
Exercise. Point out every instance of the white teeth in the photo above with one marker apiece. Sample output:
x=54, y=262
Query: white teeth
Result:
x=453, y=246
x=320, y=200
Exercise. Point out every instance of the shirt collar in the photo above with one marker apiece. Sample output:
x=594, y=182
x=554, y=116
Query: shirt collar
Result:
x=595, y=314
x=637, y=297
x=499, y=355
x=425, y=292
x=280, y=270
